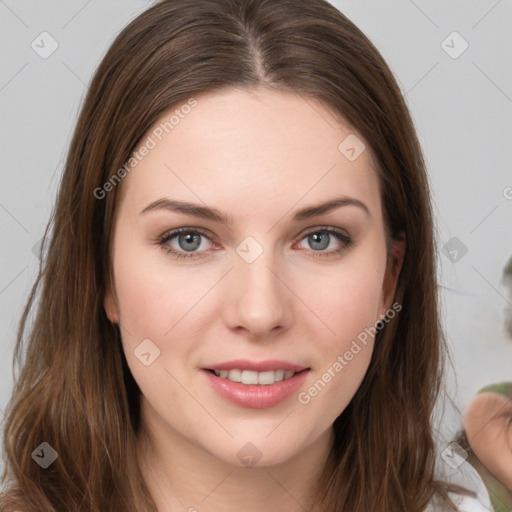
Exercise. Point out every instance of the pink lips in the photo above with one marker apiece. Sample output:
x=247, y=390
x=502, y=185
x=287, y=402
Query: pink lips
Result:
x=256, y=396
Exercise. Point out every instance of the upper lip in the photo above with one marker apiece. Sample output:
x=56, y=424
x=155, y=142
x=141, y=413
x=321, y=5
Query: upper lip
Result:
x=257, y=366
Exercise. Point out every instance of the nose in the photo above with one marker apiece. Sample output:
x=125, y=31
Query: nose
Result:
x=256, y=298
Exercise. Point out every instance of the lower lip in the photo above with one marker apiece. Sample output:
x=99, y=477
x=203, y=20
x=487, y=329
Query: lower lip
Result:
x=256, y=396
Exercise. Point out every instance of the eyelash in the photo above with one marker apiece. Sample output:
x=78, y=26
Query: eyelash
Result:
x=164, y=240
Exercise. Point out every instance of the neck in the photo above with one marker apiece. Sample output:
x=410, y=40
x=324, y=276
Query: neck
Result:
x=183, y=476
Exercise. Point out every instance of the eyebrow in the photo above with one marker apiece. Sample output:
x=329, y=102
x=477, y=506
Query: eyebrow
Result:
x=206, y=212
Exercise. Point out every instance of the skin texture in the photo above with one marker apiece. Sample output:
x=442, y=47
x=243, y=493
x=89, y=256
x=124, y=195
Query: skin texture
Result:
x=490, y=434
x=259, y=156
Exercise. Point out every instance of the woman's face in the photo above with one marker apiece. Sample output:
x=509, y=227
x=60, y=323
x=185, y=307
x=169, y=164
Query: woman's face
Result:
x=287, y=280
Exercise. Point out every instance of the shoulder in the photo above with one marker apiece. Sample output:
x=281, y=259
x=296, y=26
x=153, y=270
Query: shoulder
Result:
x=461, y=473
x=463, y=504
x=468, y=504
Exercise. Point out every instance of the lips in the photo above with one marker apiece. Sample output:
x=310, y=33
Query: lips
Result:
x=256, y=384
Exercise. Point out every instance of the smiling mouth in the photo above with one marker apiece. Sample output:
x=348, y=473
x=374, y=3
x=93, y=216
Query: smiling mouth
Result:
x=249, y=377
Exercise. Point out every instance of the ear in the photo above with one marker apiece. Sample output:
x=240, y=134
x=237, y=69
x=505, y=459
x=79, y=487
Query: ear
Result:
x=110, y=305
x=394, y=266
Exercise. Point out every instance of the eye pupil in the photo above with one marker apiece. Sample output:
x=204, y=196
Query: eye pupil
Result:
x=317, y=239
x=189, y=238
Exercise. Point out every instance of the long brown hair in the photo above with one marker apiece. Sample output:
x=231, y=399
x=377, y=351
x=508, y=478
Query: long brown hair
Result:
x=75, y=390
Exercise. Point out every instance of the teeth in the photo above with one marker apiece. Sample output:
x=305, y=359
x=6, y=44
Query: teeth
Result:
x=250, y=377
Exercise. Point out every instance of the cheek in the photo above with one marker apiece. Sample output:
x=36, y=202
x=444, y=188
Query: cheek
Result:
x=356, y=300
x=153, y=297
x=349, y=307
x=348, y=301
x=157, y=303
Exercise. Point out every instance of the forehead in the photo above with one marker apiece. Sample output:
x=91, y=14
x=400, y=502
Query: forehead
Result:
x=269, y=149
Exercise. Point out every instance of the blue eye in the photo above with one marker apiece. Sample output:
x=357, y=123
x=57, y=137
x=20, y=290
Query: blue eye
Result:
x=190, y=240
x=320, y=239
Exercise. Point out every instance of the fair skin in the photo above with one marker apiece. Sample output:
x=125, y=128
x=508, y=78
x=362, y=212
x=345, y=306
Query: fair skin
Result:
x=259, y=156
x=489, y=432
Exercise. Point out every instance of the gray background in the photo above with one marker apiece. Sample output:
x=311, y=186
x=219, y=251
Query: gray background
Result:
x=461, y=106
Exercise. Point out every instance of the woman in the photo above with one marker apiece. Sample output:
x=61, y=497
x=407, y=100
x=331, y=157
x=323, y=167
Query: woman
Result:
x=487, y=439
x=238, y=305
